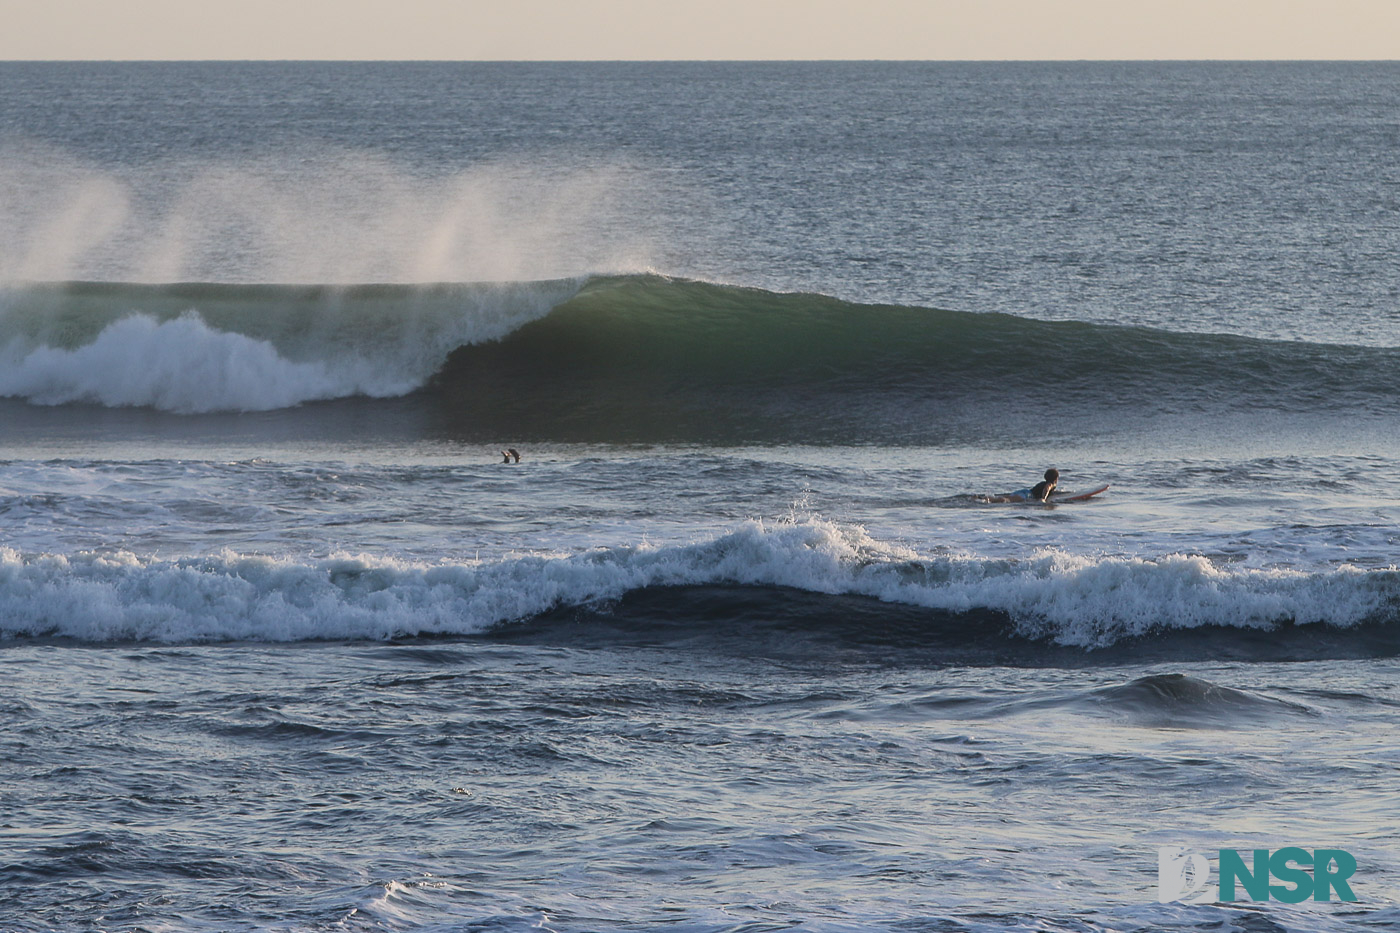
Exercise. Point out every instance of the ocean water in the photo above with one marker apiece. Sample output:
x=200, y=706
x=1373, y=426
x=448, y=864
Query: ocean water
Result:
x=736, y=645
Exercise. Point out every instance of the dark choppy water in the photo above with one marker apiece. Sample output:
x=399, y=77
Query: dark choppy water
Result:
x=489, y=785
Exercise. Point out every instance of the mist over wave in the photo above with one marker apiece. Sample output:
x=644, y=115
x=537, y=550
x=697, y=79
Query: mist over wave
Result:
x=319, y=215
x=1061, y=599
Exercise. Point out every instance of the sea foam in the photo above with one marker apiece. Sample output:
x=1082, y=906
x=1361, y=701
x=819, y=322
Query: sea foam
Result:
x=1070, y=600
x=204, y=348
x=181, y=366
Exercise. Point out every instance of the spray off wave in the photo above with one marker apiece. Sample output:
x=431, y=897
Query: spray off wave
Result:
x=1050, y=596
x=321, y=215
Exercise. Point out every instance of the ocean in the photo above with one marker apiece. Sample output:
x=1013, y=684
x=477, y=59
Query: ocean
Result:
x=289, y=643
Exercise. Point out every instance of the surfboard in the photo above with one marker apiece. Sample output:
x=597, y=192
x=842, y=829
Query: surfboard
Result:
x=1075, y=496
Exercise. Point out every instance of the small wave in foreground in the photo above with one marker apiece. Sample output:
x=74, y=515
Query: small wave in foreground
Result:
x=758, y=581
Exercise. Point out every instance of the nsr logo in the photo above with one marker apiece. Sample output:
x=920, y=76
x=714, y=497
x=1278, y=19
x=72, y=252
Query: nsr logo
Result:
x=1183, y=875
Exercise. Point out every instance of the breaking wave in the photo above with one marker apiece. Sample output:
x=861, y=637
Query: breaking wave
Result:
x=642, y=358
x=204, y=348
x=803, y=576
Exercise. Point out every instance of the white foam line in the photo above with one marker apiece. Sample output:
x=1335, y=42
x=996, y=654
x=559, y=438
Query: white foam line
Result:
x=1071, y=600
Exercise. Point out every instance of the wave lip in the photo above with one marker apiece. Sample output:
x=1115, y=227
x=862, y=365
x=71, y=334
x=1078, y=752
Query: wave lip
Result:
x=1052, y=598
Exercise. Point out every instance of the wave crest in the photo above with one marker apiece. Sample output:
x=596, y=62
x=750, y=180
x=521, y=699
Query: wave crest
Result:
x=1050, y=598
x=645, y=358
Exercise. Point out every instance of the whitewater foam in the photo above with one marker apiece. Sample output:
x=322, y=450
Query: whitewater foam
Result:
x=180, y=366
x=1070, y=600
x=204, y=348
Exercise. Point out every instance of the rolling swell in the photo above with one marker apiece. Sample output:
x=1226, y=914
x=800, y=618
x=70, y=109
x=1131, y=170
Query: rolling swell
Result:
x=646, y=358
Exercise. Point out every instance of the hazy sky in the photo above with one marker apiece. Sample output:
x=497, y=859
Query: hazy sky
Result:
x=699, y=29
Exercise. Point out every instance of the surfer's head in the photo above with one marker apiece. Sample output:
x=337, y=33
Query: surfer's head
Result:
x=1052, y=475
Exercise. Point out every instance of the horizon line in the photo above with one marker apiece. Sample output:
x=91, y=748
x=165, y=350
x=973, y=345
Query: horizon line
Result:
x=697, y=61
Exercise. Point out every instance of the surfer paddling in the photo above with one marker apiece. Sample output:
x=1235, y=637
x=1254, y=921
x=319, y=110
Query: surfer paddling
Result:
x=1040, y=492
x=510, y=454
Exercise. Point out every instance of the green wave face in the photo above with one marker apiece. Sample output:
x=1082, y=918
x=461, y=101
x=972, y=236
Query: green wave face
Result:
x=651, y=359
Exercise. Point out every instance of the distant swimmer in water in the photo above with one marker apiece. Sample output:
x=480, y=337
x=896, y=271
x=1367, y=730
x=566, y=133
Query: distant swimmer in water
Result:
x=509, y=453
x=1040, y=492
